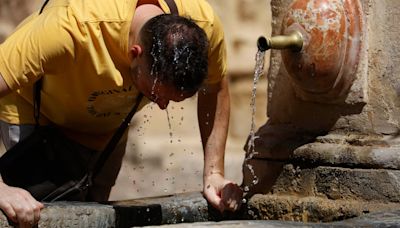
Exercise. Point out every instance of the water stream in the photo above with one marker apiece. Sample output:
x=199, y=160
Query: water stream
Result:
x=250, y=153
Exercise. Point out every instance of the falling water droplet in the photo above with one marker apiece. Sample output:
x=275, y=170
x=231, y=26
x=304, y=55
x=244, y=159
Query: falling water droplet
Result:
x=169, y=125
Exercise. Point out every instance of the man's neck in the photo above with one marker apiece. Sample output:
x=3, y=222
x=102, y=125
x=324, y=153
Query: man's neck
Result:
x=151, y=2
x=145, y=10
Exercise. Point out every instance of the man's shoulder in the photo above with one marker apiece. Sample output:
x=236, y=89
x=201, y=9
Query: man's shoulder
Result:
x=197, y=10
x=103, y=10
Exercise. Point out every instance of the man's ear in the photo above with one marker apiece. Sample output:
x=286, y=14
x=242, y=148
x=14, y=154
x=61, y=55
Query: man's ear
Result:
x=136, y=51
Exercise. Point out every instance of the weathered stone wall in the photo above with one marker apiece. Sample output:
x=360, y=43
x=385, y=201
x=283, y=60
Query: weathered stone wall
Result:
x=333, y=150
x=372, y=104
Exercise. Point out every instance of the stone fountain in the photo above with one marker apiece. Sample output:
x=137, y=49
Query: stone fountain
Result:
x=330, y=149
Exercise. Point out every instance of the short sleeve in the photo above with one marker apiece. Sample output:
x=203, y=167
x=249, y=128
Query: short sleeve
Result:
x=217, y=53
x=35, y=43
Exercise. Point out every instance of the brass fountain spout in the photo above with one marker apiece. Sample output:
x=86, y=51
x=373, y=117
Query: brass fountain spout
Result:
x=293, y=41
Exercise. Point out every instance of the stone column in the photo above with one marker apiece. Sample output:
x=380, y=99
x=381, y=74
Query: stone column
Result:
x=332, y=138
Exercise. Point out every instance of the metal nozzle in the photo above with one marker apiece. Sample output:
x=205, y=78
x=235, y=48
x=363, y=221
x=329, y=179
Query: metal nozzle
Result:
x=293, y=41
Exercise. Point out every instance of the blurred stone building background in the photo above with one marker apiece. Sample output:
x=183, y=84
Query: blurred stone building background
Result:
x=164, y=155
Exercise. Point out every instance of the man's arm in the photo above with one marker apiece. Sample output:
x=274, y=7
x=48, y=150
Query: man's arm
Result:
x=17, y=203
x=213, y=116
x=3, y=87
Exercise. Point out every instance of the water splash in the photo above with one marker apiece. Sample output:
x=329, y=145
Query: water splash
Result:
x=169, y=125
x=155, y=53
x=250, y=153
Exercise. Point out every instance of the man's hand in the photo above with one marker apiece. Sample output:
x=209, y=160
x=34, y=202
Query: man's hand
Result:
x=221, y=193
x=19, y=206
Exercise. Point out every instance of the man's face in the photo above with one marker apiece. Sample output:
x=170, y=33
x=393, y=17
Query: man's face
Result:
x=155, y=90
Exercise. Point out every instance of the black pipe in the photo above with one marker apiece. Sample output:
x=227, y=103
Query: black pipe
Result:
x=263, y=44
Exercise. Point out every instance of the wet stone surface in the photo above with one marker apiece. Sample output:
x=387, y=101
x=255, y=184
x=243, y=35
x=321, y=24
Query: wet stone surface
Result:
x=189, y=210
x=379, y=219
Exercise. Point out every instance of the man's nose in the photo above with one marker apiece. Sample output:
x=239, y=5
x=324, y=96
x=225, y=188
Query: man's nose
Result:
x=162, y=103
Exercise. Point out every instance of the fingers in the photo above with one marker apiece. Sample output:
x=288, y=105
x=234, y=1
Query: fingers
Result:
x=231, y=196
x=27, y=209
x=20, y=207
x=228, y=196
x=36, y=207
x=9, y=211
x=213, y=198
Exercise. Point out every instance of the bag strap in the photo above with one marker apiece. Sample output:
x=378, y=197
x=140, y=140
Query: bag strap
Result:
x=38, y=87
x=36, y=100
x=105, y=154
x=172, y=6
x=44, y=5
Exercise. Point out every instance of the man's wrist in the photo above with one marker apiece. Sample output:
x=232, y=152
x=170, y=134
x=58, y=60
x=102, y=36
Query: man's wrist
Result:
x=212, y=173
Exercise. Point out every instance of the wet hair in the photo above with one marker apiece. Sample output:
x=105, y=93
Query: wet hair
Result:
x=176, y=50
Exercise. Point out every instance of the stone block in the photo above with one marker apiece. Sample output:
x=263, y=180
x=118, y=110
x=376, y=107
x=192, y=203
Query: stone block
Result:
x=73, y=214
x=335, y=183
x=310, y=209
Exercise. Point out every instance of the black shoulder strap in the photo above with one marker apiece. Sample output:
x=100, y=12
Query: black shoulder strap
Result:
x=44, y=5
x=38, y=87
x=37, y=100
x=105, y=154
x=172, y=7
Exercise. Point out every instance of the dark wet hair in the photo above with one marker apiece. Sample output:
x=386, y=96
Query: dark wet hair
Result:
x=176, y=50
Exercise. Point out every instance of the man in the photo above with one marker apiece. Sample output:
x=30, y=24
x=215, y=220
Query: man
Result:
x=95, y=56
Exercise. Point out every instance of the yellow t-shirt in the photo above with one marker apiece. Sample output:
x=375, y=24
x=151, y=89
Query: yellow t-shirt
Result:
x=81, y=49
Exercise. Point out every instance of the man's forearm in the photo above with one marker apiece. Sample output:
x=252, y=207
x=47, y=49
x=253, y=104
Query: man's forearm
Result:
x=213, y=115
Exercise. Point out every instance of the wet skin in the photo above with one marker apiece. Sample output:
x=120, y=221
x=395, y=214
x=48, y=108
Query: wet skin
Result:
x=155, y=90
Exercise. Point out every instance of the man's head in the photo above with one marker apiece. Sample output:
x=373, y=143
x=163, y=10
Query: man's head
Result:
x=173, y=62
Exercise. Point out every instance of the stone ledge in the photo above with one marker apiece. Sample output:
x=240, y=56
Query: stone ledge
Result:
x=378, y=219
x=73, y=214
x=345, y=155
x=192, y=208
x=185, y=207
x=189, y=207
x=340, y=183
x=310, y=209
